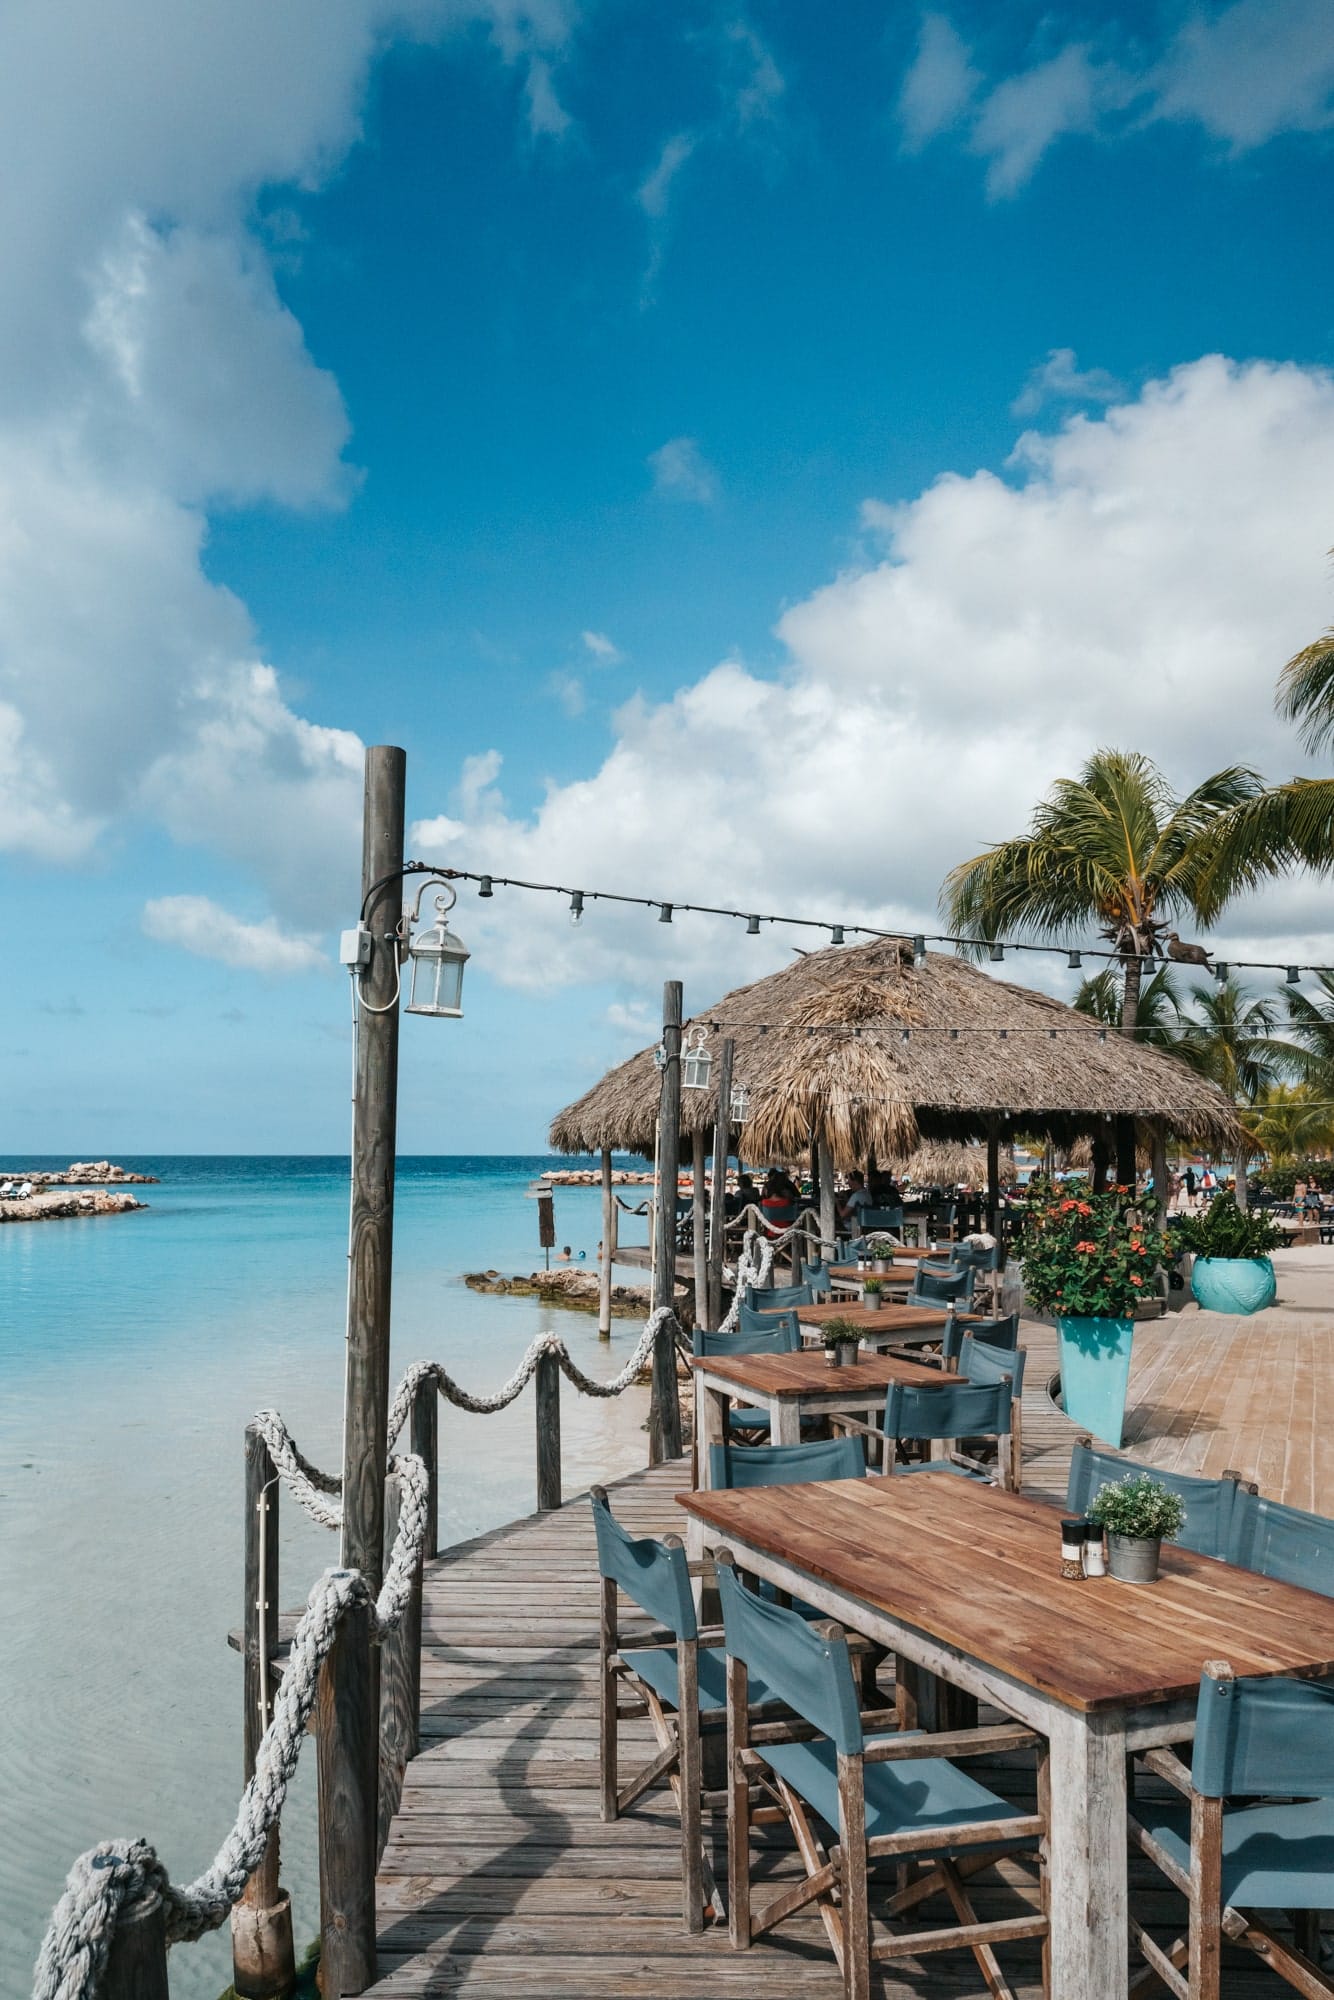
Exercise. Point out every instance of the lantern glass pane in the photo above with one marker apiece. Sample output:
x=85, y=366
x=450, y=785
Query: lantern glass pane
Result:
x=438, y=959
x=696, y=1066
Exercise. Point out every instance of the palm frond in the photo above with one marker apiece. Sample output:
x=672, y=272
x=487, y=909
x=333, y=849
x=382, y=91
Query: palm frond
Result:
x=1305, y=692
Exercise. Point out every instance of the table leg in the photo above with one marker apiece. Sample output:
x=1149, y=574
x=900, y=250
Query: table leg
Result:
x=1087, y=1857
x=785, y=1420
x=710, y=1424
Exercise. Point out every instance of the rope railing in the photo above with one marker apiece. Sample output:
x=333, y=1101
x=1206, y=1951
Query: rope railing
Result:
x=109, y=1881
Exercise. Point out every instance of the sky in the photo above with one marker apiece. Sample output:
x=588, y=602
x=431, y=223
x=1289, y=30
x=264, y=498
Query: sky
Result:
x=742, y=453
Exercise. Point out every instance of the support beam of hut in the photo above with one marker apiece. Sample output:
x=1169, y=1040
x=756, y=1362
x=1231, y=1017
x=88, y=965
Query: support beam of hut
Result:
x=699, y=1224
x=722, y=1146
x=1125, y=1152
x=1161, y=1188
x=993, y=1176
x=608, y=1247
x=828, y=1214
x=664, y=1423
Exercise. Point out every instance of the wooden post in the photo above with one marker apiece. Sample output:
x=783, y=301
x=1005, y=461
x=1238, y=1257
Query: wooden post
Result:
x=828, y=1208
x=665, y=1407
x=993, y=1176
x=425, y=1434
x=349, y=1701
x=699, y=1229
x=136, y=1967
x=722, y=1146
x=1125, y=1152
x=546, y=1383
x=346, y=1725
x=400, y=1683
x=1161, y=1188
x=263, y=1954
x=608, y=1247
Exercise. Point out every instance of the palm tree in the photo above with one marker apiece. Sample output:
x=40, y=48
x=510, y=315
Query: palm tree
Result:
x=1290, y=1122
x=1158, y=1018
x=1231, y=1040
x=1114, y=847
x=1306, y=692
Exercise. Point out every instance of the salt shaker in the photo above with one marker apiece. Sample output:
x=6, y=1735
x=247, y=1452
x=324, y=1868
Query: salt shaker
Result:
x=1095, y=1563
x=1072, y=1548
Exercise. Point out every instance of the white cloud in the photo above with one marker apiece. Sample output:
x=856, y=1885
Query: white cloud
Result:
x=655, y=189
x=603, y=650
x=759, y=85
x=938, y=85
x=568, y=690
x=681, y=472
x=203, y=927
x=1137, y=581
x=1243, y=74
x=1060, y=379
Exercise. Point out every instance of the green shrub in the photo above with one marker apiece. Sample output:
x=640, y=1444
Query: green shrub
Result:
x=1088, y=1255
x=840, y=1333
x=1224, y=1230
x=1141, y=1506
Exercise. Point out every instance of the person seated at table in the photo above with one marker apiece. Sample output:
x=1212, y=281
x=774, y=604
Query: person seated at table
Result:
x=851, y=1203
x=745, y=1195
x=779, y=1189
x=885, y=1191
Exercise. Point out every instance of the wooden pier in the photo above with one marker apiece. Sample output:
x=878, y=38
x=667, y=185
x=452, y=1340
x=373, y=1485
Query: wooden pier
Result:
x=499, y=1877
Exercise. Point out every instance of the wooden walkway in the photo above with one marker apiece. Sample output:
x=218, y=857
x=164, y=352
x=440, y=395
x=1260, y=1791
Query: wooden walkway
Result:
x=500, y=1878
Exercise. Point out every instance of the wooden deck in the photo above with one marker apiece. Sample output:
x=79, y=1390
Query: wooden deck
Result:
x=499, y=1876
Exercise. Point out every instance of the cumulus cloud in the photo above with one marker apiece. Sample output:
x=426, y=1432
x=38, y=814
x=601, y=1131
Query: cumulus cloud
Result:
x=1137, y=579
x=1243, y=74
x=603, y=649
x=1060, y=379
x=681, y=472
x=149, y=373
x=199, y=925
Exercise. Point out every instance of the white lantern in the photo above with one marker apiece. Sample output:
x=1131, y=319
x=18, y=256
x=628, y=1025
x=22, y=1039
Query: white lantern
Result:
x=696, y=1063
x=740, y=1104
x=437, y=958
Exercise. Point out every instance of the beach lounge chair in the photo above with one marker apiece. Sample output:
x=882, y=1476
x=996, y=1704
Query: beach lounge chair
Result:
x=1209, y=1502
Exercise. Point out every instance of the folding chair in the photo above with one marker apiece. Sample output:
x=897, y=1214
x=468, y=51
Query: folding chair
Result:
x=1254, y=1739
x=971, y=1410
x=769, y=1298
x=817, y=1278
x=1283, y=1542
x=750, y=1320
x=889, y=1795
x=1209, y=1502
x=942, y=1287
x=981, y=1361
x=777, y=1333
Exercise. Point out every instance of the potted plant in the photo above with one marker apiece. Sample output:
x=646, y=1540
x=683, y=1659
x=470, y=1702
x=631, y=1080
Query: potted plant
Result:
x=841, y=1341
x=1232, y=1272
x=880, y=1250
x=1139, y=1514
x=872, y=1294
x=1089, y=1261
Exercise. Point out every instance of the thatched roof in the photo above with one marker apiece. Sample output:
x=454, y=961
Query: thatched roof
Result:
x=941, y=1164
x=821, y=1043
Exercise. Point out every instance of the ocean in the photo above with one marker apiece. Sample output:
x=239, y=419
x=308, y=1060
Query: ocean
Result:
x=133, y=1349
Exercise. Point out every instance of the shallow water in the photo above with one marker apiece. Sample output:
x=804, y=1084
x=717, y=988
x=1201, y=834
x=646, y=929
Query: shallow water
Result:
x=132, y=1351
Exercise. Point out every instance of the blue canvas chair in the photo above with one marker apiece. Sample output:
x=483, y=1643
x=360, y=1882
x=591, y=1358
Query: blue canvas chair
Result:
x=977, y=1410
x=1002, y=1332
x=775, y=1333
x=1254, y=1740
x=1283, y=1542
x=879, y=1794
x=772, y=1298
x=1209, y=1502
x=751, y=1319
x=786, y=1464
x=817, y=1278
x=890, y=1220
x=937, y=1287
x=980, y=1361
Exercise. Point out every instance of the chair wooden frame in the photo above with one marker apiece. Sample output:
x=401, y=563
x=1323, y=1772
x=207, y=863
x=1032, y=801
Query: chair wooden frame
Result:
x=1190, y=1967
x=1007, y=1471
x=836, y=1877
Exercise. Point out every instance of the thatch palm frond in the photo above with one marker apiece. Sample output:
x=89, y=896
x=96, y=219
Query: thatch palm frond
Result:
x=1305, y=692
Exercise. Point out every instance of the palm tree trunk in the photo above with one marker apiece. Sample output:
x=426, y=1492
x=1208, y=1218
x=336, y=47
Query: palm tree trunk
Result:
x=1134, y=969
x=1239, y=1175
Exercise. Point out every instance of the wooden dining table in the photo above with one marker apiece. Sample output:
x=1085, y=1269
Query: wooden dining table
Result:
x=963, y=1581
x=879, y=1326
x=793, y=1386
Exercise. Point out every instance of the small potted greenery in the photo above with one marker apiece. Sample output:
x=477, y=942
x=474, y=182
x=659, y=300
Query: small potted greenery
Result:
x=1232, y=1272
x=880, y=1251
x=841, y=1340
x=873, y=1293
x=1139, y=1514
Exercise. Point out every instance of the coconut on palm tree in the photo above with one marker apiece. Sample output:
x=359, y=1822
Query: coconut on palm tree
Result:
x=1115, y=847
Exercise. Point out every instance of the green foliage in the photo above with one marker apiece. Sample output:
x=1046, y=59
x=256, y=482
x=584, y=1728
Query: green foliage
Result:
x=839, y=1333
x=874, y=1286
x=880, y=1246
x=1224, y=1230
x=1306, y=692
x=1141, y=1506
x=1086, y=1254
x=1157, y=1014
x=1282, y=1181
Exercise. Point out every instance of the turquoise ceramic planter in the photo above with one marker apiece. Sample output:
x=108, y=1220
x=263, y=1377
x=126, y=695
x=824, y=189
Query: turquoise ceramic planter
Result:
x=1234, y=1284
x=1095, y=1372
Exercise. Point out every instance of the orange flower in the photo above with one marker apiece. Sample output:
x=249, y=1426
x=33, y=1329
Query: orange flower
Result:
x=1086, y=1246
x=1084, y=1208
x=1066, y=1207
x=1135, y=1279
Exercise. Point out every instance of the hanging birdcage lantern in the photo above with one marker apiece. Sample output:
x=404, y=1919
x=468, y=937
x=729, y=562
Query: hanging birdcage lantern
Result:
x=437, y=958
x=696, y=1062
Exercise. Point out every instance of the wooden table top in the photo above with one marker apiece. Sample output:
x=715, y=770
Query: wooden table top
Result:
x=894, y=1257
x=807, y=1373
x=979, y=1569
x=881, y=1319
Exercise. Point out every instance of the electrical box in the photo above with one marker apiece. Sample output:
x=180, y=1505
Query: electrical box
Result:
x=354, y=947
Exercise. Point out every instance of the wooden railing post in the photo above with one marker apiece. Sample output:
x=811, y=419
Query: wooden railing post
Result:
x=400, y=1681
x=608, y=1247
x=664, y=1437
x=425, y=1435
x=346, y=1723
x=546, y=1384
x=136, y=1967
x=263, y=1954
x=722, y=1137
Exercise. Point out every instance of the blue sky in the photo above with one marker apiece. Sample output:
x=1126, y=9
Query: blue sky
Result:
x=739, y=453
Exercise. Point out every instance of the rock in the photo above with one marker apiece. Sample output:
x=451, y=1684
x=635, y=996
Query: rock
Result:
x=51, y=1205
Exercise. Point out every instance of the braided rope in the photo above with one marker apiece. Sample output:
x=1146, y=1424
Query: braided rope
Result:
x=545, y=1343
x=753, y=1267
x=304, y=1481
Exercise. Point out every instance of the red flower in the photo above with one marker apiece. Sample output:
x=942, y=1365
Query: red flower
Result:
x=1086, y=1246
x=1084, y=1208
x=1135, y=1279
x=1066, y=1206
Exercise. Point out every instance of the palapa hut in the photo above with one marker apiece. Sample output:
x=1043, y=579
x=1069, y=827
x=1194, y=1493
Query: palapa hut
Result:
x=943, y=1165
x=856, y=1050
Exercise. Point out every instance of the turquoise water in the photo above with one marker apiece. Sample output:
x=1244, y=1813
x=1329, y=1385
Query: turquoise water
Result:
x=132, y=1351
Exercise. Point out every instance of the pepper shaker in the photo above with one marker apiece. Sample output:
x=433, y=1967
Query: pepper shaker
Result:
x=1072, y=1548
x=1094, y=1561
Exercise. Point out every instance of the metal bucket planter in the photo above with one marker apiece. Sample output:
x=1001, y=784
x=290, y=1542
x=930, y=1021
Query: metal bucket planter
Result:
x=874, y=1300
x=1241, y=1285
x=879, y=1266
x=845, y=1354
x=1095, y=1372
x=1134, y=1558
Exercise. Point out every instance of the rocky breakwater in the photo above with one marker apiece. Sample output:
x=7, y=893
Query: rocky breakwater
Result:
x=51, y=1204
x=89, y=1173
x=576, y=1289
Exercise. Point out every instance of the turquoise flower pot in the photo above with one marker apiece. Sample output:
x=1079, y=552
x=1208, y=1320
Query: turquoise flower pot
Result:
x=1234, y=1284
x=1095, y=1373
